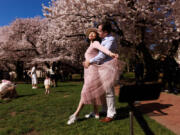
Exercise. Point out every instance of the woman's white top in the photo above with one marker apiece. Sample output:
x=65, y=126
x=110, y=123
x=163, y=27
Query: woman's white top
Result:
x=47, y=81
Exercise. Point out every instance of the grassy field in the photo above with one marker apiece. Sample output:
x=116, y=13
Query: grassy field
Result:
x=34, y=113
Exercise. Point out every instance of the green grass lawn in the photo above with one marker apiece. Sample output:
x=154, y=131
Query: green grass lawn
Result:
x=34, y=113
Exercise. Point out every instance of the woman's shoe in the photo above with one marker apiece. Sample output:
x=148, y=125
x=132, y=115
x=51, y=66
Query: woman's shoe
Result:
x=72, y=119
x=96, y=116
x=91, y=114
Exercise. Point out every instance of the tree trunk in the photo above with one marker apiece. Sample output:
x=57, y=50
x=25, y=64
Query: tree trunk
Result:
x=19, y=70
x=150, y=64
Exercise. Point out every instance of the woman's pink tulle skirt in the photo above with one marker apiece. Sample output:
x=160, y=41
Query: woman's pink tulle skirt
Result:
x=98, y=79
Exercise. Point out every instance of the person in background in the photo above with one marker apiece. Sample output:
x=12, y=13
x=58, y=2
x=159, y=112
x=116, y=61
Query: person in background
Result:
x=47, y=84
x=52, y=76
x=7, y=90
x=34, y=77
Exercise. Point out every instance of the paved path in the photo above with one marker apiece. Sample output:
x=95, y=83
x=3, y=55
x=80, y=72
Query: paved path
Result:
x=165, y=110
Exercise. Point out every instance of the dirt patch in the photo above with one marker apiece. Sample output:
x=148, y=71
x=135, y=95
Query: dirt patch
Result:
x=33, y=132
x=13, y=114
x=65, y=96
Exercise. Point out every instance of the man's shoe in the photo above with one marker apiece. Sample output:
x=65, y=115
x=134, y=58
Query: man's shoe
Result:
x=96, y=116
x=107, y=119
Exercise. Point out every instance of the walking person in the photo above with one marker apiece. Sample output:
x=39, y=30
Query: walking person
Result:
x=93, y=91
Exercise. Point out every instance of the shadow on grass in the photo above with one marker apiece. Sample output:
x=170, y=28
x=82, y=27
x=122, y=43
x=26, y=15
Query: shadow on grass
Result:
x=30, y=95
x=41, y=87
x=2, y=101
x=6, y=100
x=123, y=113
x=142, y=122
x=82, y=119
x=68, y=85
x=59, y=86
x=147, y=108
x=61, y=91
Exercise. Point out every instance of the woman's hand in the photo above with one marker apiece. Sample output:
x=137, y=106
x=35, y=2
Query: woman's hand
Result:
x=86, y=64
x=114, y=55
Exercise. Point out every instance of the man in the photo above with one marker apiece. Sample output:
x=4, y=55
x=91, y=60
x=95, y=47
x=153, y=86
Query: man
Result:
x=108, y=41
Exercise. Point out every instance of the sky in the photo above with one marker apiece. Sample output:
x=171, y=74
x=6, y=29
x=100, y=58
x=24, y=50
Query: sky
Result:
x=12, y=9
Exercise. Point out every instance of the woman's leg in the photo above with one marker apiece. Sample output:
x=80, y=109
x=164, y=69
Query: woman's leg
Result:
x=48, y=91
x=96, y=112
x=73, y=117
x=79, y=108
x=45, y=91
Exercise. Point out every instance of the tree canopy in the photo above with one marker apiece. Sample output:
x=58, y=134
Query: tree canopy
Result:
x=143, y=28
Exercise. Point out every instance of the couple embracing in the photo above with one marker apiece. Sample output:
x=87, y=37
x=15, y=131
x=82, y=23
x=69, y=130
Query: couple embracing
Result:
x=101, y=71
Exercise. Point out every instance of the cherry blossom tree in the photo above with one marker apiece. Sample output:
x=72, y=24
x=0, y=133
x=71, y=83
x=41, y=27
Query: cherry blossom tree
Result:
x=19, y=42
x=146, y=28
x=176, y=13
x=4, y=38
x=145, y=25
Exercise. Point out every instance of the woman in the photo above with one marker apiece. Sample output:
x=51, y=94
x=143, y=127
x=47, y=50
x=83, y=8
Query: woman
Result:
x=34, y=77
x=96, y=77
